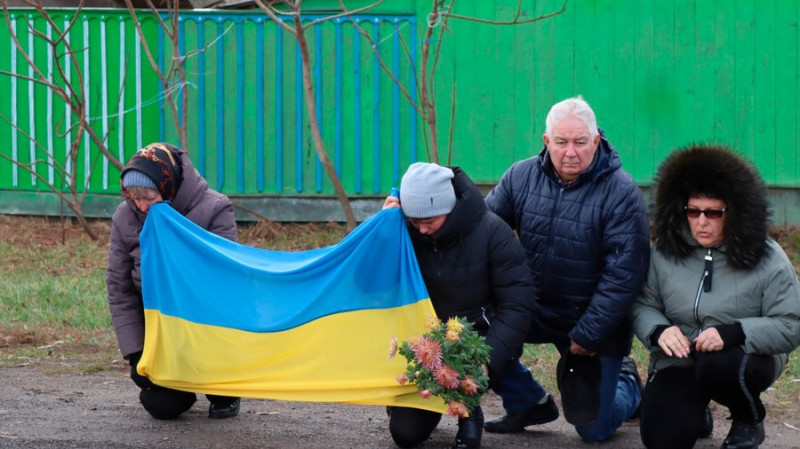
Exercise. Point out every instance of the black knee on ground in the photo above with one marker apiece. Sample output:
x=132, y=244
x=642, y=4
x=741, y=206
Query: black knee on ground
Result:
x=163, y=403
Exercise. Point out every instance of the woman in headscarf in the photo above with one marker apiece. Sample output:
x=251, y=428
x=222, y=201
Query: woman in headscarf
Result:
x=158, y=172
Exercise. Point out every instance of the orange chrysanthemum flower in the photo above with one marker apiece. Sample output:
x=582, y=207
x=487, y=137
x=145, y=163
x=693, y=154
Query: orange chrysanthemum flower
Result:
x=452, y=335
x=457, y=409
x=469, y=386
x=429, y=353
x=435, y=363
x=446, y=377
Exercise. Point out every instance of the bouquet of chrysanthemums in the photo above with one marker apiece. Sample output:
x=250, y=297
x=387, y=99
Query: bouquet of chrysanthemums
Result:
x=447, y=361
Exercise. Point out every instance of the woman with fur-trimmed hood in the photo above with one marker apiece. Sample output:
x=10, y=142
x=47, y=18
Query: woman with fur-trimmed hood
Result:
x=721, y=307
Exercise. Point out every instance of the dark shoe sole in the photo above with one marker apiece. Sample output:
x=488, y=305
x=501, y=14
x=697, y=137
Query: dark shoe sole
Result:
x=506, y=429
x=501, y=425
x=223, y=415
x=491, y=429
x=225, y=412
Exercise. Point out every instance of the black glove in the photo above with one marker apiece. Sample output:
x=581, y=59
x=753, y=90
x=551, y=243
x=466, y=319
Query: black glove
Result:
x=141, y=381
x=657, y=333
x=731, y=334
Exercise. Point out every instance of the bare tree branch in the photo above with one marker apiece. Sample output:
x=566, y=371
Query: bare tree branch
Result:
x=345, y=13
x=452, y=125
x=515, y=20
x=438, y=50
x=18, y=45
x=61, y=36
x=273, y=14
x=53, y=163
x=428, y=102
x=412, y=66
x=386, y=68
x=74, y=99
x=75, y=206
x=179, y=121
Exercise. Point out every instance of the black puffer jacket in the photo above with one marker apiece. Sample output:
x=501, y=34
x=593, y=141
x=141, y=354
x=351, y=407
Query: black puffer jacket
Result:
x=587, y=245
x=474, y=267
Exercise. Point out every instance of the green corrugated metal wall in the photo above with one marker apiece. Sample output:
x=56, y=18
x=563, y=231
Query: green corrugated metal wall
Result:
x=660, y=74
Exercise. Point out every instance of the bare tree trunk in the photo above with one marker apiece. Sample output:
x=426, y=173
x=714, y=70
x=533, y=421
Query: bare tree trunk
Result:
x=175, y=69
x=426, y=83
x=298, y=31
x=308, y=88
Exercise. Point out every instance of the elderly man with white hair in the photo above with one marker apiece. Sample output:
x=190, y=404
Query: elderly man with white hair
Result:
x=583, y=223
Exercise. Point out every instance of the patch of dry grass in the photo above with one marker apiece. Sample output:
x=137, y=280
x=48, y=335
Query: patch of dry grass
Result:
x=291, y=237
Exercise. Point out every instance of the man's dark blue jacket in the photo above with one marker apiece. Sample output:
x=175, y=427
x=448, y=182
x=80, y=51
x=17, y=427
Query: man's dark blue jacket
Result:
x=587, y=243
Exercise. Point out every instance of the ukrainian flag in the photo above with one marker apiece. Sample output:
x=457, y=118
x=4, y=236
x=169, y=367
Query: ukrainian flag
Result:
x=228, y=319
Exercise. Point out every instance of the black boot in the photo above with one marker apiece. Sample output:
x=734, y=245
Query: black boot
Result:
x=744, y=435
x=516, y=422
x=708, y=424
x=222, y=411
x=470, y=430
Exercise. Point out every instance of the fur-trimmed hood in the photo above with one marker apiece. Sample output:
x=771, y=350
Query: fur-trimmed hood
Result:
x=717, y=172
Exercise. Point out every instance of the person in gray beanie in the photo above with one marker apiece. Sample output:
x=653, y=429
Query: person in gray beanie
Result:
x=473, y=267
x=158, y=172
x=426, y=190
x=135, y=178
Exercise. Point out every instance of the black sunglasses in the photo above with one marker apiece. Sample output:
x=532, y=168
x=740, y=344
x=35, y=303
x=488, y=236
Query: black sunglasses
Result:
x=711, y=214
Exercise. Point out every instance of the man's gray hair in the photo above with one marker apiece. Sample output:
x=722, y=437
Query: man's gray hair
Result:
x=574, y=107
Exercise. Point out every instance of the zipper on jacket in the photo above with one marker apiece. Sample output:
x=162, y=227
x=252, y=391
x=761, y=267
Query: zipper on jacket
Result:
x=709, y=271
x=705, y=283
x=485, y=318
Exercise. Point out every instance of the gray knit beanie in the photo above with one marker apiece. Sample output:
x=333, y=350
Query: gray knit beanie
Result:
x=426, y=191
x=135, y=178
